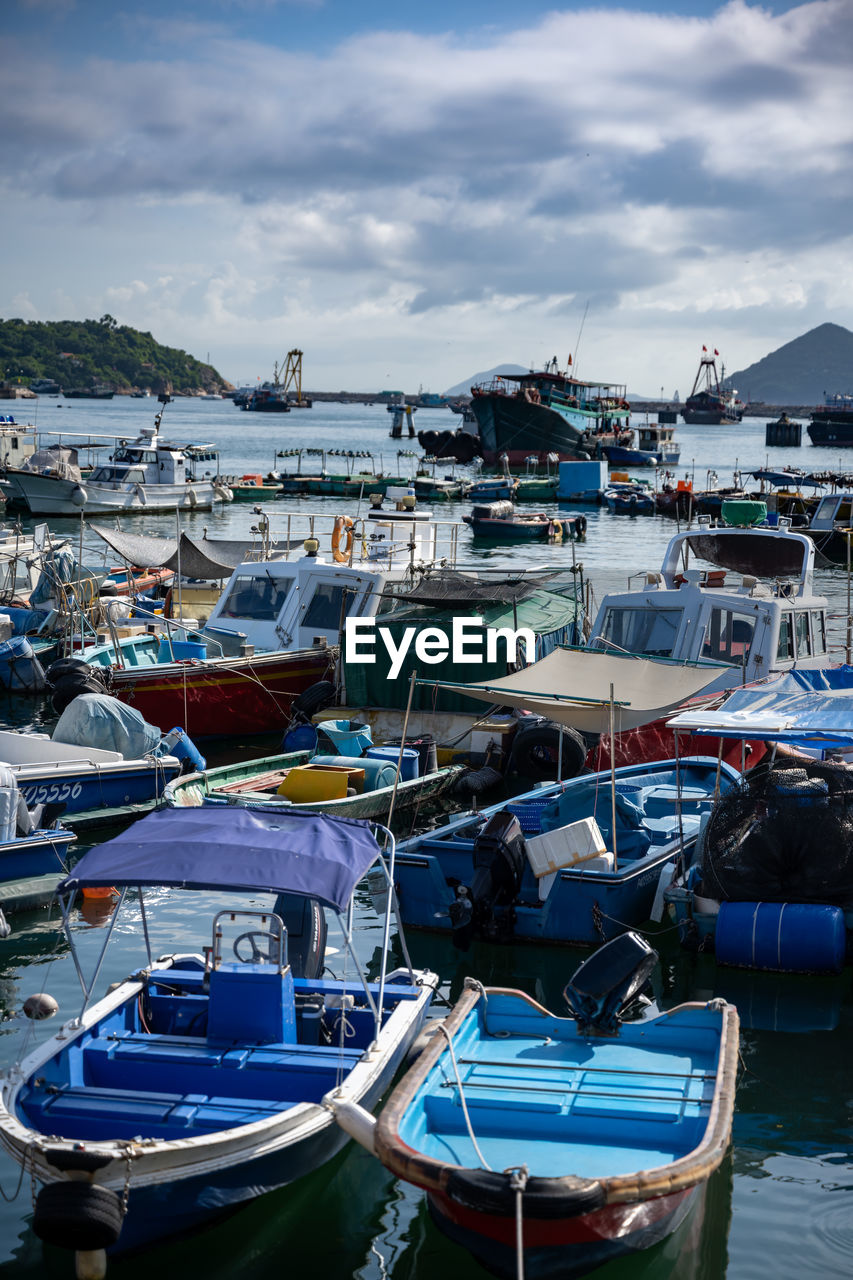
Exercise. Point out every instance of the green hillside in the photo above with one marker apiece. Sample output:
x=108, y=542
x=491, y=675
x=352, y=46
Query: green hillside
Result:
x=82, y=353
x=818, y=362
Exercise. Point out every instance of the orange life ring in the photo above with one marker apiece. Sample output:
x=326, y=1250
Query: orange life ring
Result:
x=341, y=523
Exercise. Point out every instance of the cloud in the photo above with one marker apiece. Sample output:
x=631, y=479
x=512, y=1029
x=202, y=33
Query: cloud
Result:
x=634, y=158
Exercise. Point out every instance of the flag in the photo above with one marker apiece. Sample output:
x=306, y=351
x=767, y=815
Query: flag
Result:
x=705, y=349
x=716, y=352
x=570, y=362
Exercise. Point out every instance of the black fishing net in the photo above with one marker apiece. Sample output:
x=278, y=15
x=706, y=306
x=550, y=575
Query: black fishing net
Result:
x=784, y=835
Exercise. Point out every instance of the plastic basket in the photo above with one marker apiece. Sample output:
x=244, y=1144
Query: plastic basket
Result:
x=529, y=814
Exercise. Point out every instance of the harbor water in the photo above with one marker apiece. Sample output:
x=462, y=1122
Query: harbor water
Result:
x=778, y=1205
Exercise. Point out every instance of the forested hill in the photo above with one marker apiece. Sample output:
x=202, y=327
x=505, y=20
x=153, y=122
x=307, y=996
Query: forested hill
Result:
x=83, y=353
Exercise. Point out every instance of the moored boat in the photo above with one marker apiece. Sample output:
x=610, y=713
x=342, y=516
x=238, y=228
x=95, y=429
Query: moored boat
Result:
x=570, y=862
x=550, y=1145
x=548, y=412
x=501, y=521
x=298, y=780
x=197, y=1083
x=710, y=403
x=832, y=422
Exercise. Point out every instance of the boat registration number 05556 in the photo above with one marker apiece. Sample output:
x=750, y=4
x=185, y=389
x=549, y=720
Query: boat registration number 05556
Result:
x=52, y=794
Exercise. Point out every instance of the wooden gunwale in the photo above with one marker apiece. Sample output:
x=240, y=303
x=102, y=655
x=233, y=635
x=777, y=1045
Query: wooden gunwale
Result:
x=679, y=1175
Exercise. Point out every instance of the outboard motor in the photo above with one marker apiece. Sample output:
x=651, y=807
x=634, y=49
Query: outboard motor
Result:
x=500, y=854
x=608, y=981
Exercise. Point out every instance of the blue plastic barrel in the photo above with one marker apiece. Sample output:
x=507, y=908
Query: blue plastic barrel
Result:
x=377, y=773
x=409, y=766
x=784, y=937
x=20, y=669
x=179, y=744
x=178, y=650
x=302, y=738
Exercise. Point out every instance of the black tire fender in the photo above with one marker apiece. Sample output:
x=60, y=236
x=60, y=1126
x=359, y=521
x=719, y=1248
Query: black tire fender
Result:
x=77, y=1215
x=314, y=698
x=542, y=1198
x=528, y=754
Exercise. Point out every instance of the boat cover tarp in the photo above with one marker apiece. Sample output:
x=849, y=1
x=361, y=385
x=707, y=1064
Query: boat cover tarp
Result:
x=770, y=556
x=97, y=720
x=453, y=588
x=572, y=687
x=58, y=459
x=805, y=708
x=309, y=854
x=207, y=558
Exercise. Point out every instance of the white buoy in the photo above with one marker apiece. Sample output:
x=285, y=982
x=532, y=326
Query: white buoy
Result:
x=40, y=1006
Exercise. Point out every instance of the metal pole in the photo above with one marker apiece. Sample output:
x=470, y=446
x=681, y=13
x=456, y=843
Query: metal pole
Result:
x=849, y=620
x=402, y=747
x=613, y=779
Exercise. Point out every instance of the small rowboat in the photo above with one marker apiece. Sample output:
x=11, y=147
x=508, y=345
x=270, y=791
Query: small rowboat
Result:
x=547, y=1145
x=256, y=784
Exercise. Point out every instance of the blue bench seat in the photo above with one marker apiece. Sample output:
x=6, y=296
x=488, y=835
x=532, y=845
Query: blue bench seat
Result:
x=178, y=1064
x=98, y=1113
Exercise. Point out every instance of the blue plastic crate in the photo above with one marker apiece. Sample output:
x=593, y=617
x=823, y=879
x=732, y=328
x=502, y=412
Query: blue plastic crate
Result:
x=529, y=814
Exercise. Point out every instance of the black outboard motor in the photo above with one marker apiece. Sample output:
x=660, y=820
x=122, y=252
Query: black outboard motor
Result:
x=608, y=981
x=500, y=854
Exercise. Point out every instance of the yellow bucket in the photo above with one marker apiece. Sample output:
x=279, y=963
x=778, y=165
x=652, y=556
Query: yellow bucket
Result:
x=309, y=784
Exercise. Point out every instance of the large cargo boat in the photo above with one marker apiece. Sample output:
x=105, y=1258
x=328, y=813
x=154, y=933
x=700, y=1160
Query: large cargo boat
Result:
x=549, y=412
x=832, y=422
x=710, y=403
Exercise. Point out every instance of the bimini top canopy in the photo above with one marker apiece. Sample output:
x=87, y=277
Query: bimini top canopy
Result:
x=803, y=708
x=308, y=854
x=572, y=687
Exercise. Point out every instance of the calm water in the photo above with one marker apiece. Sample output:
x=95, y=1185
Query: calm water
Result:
x=780, y=1203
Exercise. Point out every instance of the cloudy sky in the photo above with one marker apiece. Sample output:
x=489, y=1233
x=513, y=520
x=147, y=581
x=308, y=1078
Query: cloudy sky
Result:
x=415, y=191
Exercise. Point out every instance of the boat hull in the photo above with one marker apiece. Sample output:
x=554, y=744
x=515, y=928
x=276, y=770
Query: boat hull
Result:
x=102, y=788
x=567, y=1247
x=511, y=425
x=834, y=432
x=38, y=854
x=221, y=696
x=49, y=495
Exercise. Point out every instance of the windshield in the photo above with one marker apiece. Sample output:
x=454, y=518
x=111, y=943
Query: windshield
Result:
x=646, y=630
x=255, y=597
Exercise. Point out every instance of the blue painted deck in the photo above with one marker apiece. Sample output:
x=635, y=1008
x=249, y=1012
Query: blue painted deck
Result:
x=539, y=1093
x=583, y=906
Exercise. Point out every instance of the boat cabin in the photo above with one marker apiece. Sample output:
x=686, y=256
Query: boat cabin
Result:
x=835, y=510
x=350, y=572
x=150, y=460
x=743, y=597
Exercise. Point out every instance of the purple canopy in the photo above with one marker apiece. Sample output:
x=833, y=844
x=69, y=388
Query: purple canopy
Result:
x=309, y=854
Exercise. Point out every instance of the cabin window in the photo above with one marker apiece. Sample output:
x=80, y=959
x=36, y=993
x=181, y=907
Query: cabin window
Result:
x=819, y=632
x=801, y=628
x=323, y=610
x=728, y=636
x=648, y=630
x=256, y=598
x=785, y=648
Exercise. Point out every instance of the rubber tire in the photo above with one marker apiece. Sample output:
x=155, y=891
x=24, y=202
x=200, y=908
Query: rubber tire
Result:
x=77, y=1215
x=526, y=755
x=314, y=698
x=67, y=667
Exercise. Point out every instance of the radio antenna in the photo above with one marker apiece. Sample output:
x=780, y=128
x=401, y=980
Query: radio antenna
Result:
x=580, y=331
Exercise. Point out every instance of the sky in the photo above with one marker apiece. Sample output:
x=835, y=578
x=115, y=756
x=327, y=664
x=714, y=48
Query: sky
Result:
x=414, y=192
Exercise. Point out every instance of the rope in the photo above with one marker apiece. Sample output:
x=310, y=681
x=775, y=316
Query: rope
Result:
x=518, y=1175
x=483, y=1161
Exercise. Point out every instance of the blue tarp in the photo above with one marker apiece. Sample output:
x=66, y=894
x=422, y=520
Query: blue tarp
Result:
x=805, y=708
x=308, y=854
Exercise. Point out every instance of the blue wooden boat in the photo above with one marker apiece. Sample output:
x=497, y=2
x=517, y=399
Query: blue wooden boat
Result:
x=502, y=522
x=550, y=1145
x=198, y=1083
x=629, y=499
x=599, y=845
x=94, y=785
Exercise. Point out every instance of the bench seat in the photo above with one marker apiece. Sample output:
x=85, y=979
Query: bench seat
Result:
x=99, y=1113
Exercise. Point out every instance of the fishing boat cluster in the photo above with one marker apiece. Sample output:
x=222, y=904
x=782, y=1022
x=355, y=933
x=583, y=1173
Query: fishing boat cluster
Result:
x=677, y=759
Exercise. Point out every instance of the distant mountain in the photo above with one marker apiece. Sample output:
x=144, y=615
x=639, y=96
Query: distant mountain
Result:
x=800, y=372
x=464, y=388
x=79, y=353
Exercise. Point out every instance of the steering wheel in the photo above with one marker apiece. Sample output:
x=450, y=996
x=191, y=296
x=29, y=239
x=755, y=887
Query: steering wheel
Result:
x=256, y=938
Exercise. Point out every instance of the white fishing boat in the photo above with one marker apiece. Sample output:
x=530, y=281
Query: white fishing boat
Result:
x=148, y=474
